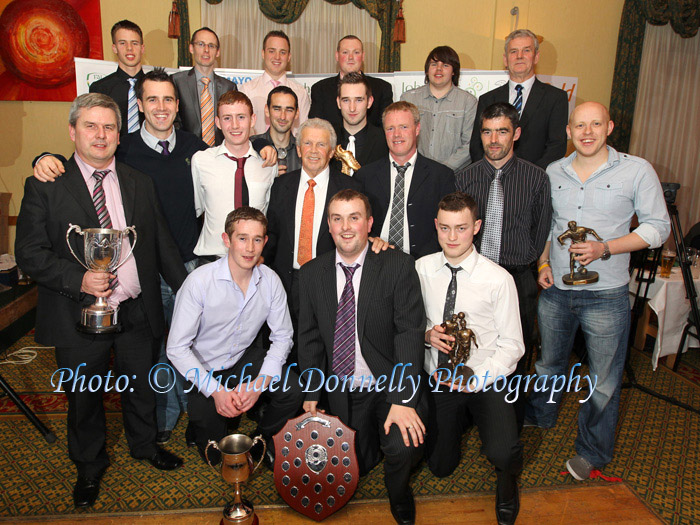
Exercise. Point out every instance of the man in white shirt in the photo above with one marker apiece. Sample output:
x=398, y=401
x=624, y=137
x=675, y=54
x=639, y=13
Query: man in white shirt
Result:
x=453, y=281
x=228, y=176
x=276, y=55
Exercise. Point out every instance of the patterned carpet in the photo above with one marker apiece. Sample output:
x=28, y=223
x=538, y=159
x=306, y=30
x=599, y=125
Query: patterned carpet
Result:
x=656, y=454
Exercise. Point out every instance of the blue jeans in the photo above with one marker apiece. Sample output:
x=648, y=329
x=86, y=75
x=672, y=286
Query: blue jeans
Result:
x=604, y=317
x=169, y=404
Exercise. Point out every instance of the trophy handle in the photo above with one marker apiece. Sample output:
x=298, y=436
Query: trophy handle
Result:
x=206, y=450
x=127, y=230
x=79, y=232
x=262, y=456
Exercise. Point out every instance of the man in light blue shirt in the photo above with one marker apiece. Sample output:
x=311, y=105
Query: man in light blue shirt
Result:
x=600, y=189
x=218, y=315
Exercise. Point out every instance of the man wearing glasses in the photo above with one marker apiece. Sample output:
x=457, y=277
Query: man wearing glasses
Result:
x=200, y=88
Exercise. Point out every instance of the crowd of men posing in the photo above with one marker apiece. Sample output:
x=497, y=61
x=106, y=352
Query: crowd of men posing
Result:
x=451, y=211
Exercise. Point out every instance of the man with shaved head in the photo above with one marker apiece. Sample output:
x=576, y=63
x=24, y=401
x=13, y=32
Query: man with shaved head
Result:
x=601, y=189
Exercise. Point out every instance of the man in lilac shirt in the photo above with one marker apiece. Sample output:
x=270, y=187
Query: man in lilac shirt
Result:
x=218, y=314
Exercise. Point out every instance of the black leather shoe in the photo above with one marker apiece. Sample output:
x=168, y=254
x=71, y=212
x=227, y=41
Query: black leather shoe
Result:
x=163, y=437
x=85, y=491
x=190, y=436
x=405, y=513
x=269, y=459
x=506, y=512
x=164, y=460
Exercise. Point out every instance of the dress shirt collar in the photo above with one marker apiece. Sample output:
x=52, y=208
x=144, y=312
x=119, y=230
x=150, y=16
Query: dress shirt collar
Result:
x=199, y=76
x=506, y=169
x=450, y=95
x=412, y=160
x=467, y=264
x=86, y=170
x=152, y=141
x=267, y=79
x=125, y=76
x=223, y=273
x=360, y=258
x=321, y=179
x=268, y=137
x=359, y=136
x=527, y=85
x=221, y=149
x=613, y=160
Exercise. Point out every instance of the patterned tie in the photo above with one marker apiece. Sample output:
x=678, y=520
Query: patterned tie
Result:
x=166, y=146
x=238, y=183
x=397, y=207
x=132, y=114
x=100, y=202
x=206, y=108
x=344, y=338
x=518, y=102
x=306, y=232
x=491, y=240
x=450, y=298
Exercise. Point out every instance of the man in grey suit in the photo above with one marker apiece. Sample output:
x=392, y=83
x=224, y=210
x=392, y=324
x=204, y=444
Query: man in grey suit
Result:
x=200, y=85
x=543, y=109
x=362, y=319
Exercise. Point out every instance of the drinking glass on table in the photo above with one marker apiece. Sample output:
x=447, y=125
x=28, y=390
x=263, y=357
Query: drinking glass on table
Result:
x=668, y=257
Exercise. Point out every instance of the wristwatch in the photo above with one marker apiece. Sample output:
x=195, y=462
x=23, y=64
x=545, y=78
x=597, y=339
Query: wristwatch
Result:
x=606, y=252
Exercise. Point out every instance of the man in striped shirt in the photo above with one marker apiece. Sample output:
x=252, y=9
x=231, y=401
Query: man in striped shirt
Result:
x=514, y=200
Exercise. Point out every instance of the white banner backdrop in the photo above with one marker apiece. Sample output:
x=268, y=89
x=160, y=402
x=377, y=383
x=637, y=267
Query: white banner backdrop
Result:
x=475, y=82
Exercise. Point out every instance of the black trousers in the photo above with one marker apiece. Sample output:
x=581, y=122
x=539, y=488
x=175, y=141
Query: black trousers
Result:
x=368, y=412
x=208, y=424
x=494, y=418
x=135, y=352
x=526, y=285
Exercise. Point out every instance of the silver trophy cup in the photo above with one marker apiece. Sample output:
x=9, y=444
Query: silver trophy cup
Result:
x=102, y=248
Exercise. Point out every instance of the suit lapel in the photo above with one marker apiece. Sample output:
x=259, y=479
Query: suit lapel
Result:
x=533, y=102
x=127, y=186
x=370, y=271
x=384, y=179
x=330, y=292
x=75, y=184
x=194, y=95
x=420, y=175
x=288, y=214
x=333, y=188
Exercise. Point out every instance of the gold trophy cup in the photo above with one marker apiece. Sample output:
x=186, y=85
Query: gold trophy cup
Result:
x=236, y=468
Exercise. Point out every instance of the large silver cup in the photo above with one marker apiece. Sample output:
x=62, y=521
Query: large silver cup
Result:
x=102, y=248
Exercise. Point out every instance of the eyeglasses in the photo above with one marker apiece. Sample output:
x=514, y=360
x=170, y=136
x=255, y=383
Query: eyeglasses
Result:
x=202, y=45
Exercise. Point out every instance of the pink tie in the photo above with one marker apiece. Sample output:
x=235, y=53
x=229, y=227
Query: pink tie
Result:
x=275, y=83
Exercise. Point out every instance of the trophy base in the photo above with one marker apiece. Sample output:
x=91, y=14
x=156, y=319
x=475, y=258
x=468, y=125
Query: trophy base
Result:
x=225, y=521
x=582, y=276
x=99, y=320
x=239, y=514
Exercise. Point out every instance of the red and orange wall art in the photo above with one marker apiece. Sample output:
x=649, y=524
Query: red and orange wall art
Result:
x=38, y=40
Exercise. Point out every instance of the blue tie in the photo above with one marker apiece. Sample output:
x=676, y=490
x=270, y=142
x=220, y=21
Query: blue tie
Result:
x=132, y=108
x=518, y=103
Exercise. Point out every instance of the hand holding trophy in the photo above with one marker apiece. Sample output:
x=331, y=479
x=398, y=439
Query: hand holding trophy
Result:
x=102, y=252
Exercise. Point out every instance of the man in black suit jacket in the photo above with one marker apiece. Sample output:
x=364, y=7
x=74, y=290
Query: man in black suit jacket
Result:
x=349, y=55
x=127, y=44
x=544, y=109
x=425, y=183
x=204, y=47
x=365, y=140
x=65, y=287
x=285, y=216
x=386, y=338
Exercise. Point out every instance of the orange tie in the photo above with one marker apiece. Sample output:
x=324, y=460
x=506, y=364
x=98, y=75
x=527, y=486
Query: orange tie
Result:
x=306, y=232
x=206, y=108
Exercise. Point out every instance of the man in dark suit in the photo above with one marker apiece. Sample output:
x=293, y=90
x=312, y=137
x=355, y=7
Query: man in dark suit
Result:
x=127, y=44
x=404, y=187
x=362, y=318
x=544, y=109
x=94, y=183
x=200, y=85
x=349, y=55
x=366, y=141
x=297, y=222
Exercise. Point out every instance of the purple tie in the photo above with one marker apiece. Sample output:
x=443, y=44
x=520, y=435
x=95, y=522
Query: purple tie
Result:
x=165, y=145
x=344, y=340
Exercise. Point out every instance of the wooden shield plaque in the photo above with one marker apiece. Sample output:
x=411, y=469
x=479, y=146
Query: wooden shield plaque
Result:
x=316, y=469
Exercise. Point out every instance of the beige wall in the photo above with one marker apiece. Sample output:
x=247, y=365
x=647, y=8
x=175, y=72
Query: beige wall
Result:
x=579, y=40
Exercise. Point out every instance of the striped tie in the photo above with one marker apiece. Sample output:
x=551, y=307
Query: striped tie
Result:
x=206, y=108
x=518, y=102
x=493, y=225
x=132, y=108
x=344, y=338
x=397, y=207
x=100, y=202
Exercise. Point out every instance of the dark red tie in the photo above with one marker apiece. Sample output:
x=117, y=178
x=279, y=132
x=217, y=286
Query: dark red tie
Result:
x=238, y=183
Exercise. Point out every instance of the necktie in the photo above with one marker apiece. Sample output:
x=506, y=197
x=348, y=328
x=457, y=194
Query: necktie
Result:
x=344, y=339
x=275, y=83
x=351, y=149
x=306, y=232
x=100, y=202
x=397, y=207
x=518, y=102
x=238, y=183
x=132, y=112
x=206, y=108
x=166, y=146
x=450, y=298
x=491, y=240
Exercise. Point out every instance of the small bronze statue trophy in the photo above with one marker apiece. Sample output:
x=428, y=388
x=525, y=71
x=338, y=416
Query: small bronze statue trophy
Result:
x=577, y=234
x=347, y=160
x=462, y=345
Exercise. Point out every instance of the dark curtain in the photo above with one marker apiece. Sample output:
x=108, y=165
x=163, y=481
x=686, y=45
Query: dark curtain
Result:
x=184, y=57
x=384, y=11
x=684, y=17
